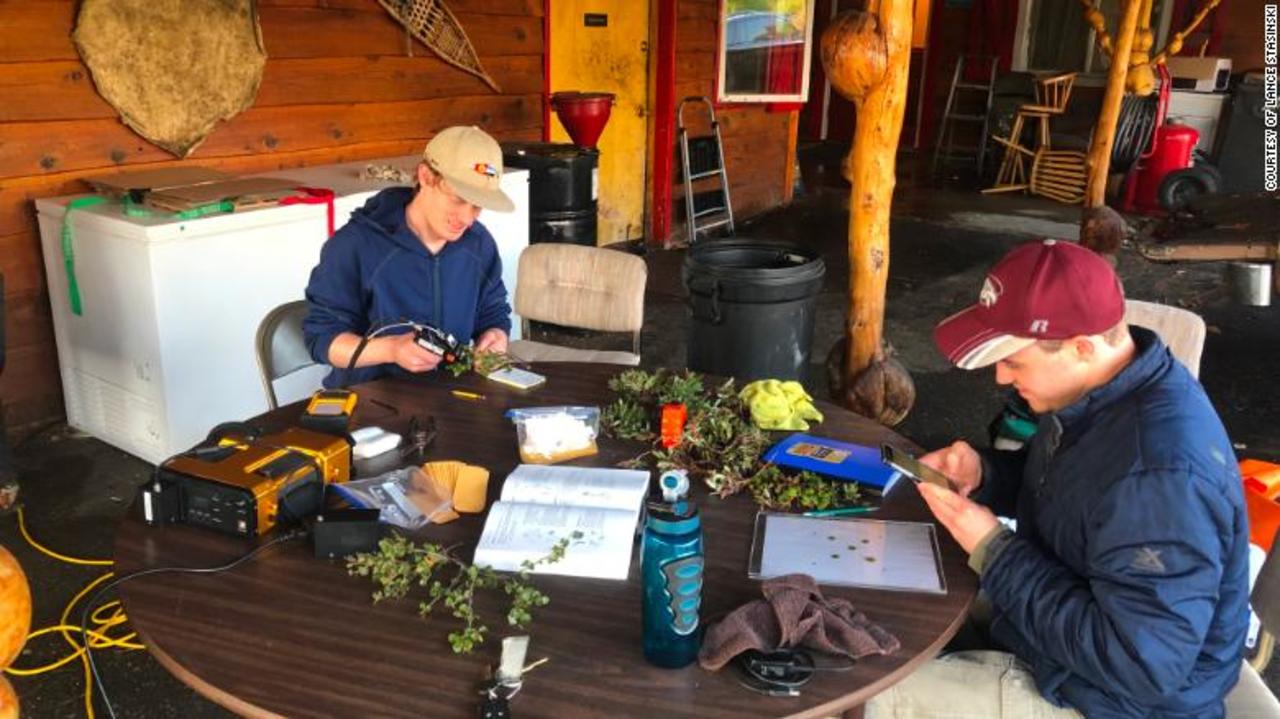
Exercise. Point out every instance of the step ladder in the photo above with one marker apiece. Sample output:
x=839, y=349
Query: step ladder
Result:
x=967, y=95
x=702, y=158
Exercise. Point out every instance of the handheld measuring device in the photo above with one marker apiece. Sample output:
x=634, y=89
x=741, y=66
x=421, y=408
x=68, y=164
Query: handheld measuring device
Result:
x=329, y=411
x=437, y=341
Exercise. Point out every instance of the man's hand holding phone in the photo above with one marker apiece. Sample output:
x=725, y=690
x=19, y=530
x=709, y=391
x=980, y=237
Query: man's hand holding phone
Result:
x=961, y=465
x=955, y=471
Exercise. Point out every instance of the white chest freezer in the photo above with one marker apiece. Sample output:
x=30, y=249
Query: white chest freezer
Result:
x=163, y=349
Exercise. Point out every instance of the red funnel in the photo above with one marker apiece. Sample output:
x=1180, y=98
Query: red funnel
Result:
x=583, y=114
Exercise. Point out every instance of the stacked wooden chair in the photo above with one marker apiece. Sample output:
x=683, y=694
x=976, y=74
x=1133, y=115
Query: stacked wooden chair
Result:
x=1057, y=174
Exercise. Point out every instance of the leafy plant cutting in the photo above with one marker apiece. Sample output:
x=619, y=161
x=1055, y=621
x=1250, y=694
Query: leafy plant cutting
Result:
x=400, y=564
x=720, y=445
x=483, y=363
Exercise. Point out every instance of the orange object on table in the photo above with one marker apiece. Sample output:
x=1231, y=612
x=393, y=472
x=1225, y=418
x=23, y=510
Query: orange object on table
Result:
x=674, y=416
x=1261, y=489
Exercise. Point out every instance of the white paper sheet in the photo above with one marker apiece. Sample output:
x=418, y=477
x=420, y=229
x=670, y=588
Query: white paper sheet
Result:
x=858, y=552
x=577, y=486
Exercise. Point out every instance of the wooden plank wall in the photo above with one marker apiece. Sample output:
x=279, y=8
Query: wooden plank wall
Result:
x=337, y=87
x=755, y=139
x=1241, y=24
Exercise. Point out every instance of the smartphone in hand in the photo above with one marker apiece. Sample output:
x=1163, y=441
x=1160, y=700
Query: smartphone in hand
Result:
x=912, y=467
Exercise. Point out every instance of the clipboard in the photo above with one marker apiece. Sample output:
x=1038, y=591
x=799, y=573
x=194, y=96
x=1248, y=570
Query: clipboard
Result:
x=848, y=552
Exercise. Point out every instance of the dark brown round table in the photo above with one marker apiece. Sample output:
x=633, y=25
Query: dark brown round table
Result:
x=286, y=634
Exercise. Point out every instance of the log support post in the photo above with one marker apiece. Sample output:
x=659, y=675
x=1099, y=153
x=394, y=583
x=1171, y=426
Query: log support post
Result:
x=1101, y=228
x=866, y=56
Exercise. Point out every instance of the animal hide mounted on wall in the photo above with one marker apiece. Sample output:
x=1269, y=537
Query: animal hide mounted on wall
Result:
x=173, y=68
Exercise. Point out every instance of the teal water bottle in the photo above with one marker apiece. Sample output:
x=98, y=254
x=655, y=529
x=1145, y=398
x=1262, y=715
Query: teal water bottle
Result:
x=671, y=572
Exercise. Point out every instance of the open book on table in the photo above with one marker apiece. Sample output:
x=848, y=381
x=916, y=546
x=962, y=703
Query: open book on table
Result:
x=596, y=509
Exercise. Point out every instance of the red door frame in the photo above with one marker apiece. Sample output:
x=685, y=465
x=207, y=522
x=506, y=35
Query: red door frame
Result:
x=664, y=122
x=546, y=70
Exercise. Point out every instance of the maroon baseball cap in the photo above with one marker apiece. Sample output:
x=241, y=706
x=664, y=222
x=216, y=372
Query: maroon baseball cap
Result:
x=1050, y=290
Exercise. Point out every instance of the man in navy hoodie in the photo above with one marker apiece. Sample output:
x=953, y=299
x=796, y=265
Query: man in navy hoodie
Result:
x=415, y=255
x=1124, y=589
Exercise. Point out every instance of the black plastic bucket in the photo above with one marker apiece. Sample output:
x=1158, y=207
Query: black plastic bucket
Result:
x=751, y=308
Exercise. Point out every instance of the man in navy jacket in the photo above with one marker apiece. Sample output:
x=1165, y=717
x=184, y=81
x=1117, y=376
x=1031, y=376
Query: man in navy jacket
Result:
x=1124, y=590
x=414, y=255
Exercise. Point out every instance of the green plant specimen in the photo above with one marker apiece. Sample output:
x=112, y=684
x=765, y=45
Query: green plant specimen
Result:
x=720, y=445
x=627, y=419
x=400, y=564
x=483, y=363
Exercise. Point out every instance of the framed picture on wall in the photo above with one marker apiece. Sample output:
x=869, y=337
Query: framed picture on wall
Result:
x=764, y=50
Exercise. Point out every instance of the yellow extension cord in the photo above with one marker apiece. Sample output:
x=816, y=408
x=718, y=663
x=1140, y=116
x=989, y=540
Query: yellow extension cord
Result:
x=98, y=637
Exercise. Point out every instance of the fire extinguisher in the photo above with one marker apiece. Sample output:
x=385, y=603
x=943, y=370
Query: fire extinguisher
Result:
x=1167, y=176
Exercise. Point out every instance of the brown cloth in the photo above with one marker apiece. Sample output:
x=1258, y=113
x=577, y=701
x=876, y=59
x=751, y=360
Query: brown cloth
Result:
x=794, y=613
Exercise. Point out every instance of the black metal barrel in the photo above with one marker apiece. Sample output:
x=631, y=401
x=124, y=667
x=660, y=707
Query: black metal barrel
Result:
x=562, y=189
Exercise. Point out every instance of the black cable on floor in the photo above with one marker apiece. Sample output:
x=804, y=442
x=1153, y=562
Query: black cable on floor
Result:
x=89, y=604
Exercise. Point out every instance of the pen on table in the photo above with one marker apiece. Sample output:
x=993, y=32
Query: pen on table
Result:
x=462, y=394
x=839, y=511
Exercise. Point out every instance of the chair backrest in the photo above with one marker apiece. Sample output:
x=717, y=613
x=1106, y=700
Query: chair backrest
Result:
x=1059, y=175
x=1182, y=330
x=1265, y=596
x=281, y=347
x=585, y=287
x=1052, y=93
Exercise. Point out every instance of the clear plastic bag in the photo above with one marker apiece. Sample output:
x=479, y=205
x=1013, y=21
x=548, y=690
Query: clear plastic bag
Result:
x=547, y=435
x=407, y=497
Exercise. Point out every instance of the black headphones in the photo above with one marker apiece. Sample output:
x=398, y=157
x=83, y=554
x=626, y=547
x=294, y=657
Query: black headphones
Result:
x=781, y=672
x=777, y=673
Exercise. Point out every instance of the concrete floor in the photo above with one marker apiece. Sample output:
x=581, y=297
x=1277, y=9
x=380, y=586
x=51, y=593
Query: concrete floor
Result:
x=76, y=488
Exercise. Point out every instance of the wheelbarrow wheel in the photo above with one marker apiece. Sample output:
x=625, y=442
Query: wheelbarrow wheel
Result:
x=1212, y=170
x=1181, y=186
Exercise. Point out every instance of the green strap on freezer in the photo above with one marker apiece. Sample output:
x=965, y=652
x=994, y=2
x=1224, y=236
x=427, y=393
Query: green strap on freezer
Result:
x=68, y=254
x=135, y=209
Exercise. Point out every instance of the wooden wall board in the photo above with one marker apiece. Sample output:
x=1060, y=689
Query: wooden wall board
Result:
x=37, y=31
x=27, y=319
x=62, y=89
x=311, y=32
x=32, y=148
x=54, y=89
x=22, y=266
x=531, y=8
